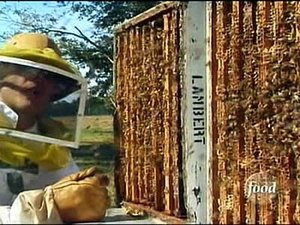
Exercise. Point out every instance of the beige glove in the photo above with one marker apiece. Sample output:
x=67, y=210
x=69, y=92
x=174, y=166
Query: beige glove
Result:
x=81, y=197
x=34, y=207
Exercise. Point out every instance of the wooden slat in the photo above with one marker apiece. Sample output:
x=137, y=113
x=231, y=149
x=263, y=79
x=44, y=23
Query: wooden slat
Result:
x=132, y=113
x=127, y=119
x=158, y=214
x=266, y=216
x=175, y=112
x=249, y=73
x=145, y=133
x=167, y=118
x=118, y=138
x=295, y=201
x=143, y=150
x=241, y=120
x=147, y=15
x=213, y=67
x=157, y=159
x=227, y=141
x=223, y=58
x=235, y=79
x=139, y=148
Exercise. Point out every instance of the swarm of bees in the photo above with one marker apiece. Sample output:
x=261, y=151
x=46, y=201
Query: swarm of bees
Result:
x=257, y=113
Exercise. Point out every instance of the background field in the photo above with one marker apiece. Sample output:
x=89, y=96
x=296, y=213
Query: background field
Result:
x=97, y=129
x=97, y=147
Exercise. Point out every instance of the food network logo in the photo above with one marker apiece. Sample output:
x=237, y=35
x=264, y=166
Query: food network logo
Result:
x=260, y=185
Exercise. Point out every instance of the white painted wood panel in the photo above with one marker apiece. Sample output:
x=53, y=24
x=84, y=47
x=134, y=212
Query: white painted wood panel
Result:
x=195, y=111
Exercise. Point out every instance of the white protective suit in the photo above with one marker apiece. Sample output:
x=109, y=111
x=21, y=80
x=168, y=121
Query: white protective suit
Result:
x=30, y=181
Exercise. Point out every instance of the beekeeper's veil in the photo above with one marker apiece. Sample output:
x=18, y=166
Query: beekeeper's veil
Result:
x=32, y=54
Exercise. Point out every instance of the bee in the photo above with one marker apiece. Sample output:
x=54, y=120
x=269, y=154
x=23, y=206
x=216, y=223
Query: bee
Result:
x=133, y=211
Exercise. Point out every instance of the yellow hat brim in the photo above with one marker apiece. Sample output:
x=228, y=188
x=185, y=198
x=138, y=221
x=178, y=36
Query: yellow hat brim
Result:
x=46, y=56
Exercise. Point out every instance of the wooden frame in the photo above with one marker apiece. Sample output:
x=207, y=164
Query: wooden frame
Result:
x=161, y=8
x=194, y=68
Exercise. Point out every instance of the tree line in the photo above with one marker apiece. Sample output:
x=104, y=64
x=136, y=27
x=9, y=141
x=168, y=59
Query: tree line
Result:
x=92, y=51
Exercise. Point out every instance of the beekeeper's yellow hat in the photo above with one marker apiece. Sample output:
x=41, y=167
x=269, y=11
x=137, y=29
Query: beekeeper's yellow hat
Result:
x=38, y=48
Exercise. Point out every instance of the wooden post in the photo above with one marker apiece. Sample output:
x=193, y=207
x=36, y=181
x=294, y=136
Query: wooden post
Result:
x=117, y=120
x=194, y=111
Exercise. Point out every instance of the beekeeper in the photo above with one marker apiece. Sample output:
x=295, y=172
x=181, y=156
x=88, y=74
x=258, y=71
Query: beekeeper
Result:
x=25, y=93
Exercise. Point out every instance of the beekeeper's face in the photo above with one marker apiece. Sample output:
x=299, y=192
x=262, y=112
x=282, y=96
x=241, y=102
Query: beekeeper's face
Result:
x=27, y=91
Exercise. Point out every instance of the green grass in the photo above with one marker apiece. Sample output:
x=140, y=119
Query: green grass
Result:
x=95, y=129
x=96, y=135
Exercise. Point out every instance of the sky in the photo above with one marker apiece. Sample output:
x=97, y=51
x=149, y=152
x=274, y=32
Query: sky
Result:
x=42, y=7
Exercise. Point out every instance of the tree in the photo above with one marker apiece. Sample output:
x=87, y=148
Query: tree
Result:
x=93, y=52
x=105, y=15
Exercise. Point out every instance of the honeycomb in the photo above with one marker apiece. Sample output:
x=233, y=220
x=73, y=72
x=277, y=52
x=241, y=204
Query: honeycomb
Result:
x=148, y=108
x=257, y=112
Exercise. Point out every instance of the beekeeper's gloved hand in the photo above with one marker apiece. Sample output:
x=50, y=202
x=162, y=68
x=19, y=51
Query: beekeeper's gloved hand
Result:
x=80, y=197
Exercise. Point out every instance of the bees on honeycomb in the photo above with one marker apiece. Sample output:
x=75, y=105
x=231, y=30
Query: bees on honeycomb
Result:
x=257, y=114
